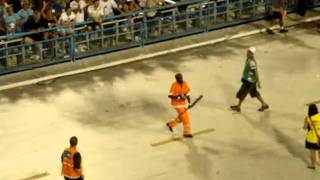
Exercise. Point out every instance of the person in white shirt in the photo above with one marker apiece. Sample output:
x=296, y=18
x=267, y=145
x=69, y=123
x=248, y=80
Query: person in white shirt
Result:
x=95, y=13
x=75, y=4
x=108, y=7
x=67, y=19
x=79, y=13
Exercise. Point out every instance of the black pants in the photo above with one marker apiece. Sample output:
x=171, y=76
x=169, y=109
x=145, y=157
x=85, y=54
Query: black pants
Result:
x=80, y=178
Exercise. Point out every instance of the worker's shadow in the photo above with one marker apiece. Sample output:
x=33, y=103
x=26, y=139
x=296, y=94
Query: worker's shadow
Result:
x=199, y=162
x=289, y=143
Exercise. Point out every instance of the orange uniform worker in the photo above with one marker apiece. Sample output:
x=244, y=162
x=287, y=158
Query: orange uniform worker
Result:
x=179, y=93
x=71, y=162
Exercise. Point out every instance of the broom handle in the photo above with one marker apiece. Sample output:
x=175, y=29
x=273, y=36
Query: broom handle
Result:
x=191, y=106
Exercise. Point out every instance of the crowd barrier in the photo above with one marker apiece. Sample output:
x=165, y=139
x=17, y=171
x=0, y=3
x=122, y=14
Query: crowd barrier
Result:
x=18, y=52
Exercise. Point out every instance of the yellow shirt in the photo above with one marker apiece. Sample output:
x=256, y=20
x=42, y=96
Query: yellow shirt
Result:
x=311, y=135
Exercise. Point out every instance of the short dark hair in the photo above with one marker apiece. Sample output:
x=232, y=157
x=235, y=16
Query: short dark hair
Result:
x=73, y=141
x=178, y=75
x=313, y=110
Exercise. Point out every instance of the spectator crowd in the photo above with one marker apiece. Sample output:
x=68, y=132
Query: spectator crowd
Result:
x=18, y=16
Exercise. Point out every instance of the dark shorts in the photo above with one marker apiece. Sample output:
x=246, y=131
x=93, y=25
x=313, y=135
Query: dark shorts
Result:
x=312, y=146
x=247, y=88
x=274, y=15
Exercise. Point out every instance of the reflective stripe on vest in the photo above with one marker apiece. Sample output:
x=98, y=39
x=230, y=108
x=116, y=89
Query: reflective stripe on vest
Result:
x=179, y=89
x=68, y=164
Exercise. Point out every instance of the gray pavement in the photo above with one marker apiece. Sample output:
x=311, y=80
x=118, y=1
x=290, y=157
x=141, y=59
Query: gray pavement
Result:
x=118, y=112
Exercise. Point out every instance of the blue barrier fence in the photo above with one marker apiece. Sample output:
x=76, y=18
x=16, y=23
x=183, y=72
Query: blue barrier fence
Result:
x=18, y=52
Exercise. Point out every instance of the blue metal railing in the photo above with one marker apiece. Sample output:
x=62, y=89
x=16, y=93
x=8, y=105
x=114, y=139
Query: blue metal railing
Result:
x=129, y=30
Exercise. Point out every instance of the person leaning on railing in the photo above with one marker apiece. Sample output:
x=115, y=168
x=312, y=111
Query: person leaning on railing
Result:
x=153, y=14
x=51, y=20
x=95, y=14
x=66, y=20
x=35, y=24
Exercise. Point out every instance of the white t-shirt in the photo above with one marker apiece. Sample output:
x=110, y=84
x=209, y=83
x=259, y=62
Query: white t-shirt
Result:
x=74, y=4
x=95, y=12
x=142, y=3
x=80, y=17
x=108, y=7
x=65, y=18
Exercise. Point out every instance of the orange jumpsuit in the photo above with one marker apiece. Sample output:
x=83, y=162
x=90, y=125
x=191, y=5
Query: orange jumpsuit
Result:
x=180, y=106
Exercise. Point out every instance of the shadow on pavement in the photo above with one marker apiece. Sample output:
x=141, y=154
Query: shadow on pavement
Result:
x=199, y=163
x=292, y=146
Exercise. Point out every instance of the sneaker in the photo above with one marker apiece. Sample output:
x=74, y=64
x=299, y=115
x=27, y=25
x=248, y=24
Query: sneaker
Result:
x=188, y=136
x=284, y=30
x=270, y=31
x=169, y=127
x=312, y=167
x=235, y=108
x=263, y=107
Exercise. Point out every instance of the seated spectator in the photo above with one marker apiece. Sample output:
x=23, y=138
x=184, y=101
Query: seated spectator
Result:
x=56, y=6
x=95, y=13
x=151, y=4
x=128, y=6
x=109, y=6
x=12, y=21
x=79, y=13
x=78, y=4
x=67, y=19
x=152, y=14
x=142, y=3
x=25, y=13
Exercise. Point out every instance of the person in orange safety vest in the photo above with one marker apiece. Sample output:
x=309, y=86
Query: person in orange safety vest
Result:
x=71, y=162
x=179, y=94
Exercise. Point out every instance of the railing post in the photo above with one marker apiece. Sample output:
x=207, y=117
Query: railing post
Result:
x=73, y=48
x=145, y=29
x=267, y=8
x=142, y=38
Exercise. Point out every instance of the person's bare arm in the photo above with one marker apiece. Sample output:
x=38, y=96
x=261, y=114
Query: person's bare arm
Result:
x=258, y=79
x=306, y=124
x=43, y=14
